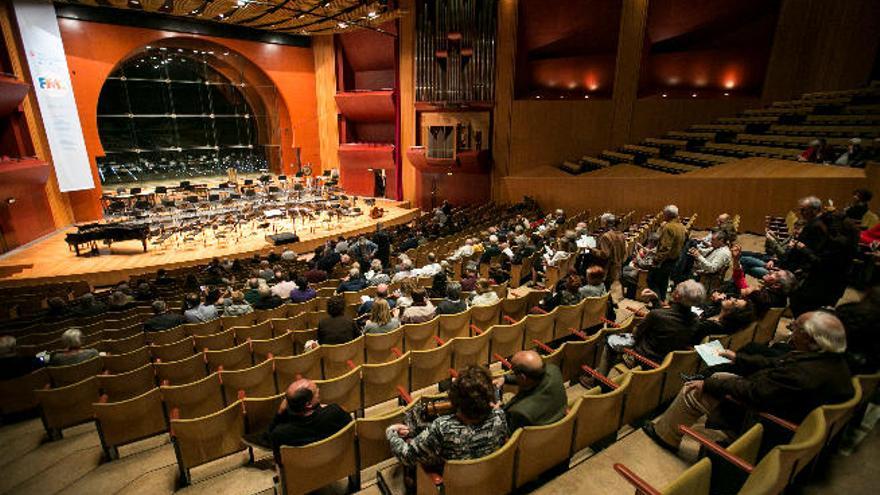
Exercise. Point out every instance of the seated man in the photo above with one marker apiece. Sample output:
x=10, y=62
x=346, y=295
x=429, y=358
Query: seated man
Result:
x=453, y=303
x=788, y=386
x=13, y=365
x=541, y=398
x=196, y=310
x=301, y=419
x=476, y=429
x=162, y=318
x=663, y=330
x=381, y=293
x=73, y=352
x=353, y=283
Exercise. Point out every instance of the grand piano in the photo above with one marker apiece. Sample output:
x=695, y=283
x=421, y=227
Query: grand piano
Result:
x=90, y=234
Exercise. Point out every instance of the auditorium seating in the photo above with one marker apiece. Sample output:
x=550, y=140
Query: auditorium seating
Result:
x=782, y=130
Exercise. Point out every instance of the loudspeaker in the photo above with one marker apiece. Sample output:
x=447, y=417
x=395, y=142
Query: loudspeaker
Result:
x=283, y=238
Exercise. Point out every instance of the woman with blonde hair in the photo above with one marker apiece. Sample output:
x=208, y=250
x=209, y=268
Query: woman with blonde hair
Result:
x=381, y=320
x=238, y=305
x=407, y=286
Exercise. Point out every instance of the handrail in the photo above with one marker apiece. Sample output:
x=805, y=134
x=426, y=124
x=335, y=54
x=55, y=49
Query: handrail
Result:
x=404, y=395
x=509, y=320
x=544, y=347
x=640, y=485
x=612, y=324
x=396, y=352
x=539, y=310
x=581, y=335
x=438, y=340
x=476, y=329
x=717, y=449
x=640, y=358
x=788, y=425
x=504, y=362
x=599, y=376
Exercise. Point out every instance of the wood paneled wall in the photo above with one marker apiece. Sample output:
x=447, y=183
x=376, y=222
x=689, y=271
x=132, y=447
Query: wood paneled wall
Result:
x=505, y=88
x=325, y=92
x=822, y=45
x=655, y=115
x=631, y=41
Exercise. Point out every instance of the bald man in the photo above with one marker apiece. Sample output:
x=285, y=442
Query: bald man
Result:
x=301, y=419
x=541, y=398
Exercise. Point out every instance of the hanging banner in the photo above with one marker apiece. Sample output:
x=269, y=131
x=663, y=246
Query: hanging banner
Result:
x=44, y=51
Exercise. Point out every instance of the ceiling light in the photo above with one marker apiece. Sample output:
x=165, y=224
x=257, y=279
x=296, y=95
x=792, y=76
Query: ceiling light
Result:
x=538, y=97
x=664, y=95
x=693, y=95
x=726, y=94
x=586, y=97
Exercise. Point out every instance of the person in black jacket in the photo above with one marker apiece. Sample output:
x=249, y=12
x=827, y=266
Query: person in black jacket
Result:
x=453, y=303
x=301, y=419
x=162, y=318
x=383, y=244
x=860, y=321
x=337, y=328
x=788, y=386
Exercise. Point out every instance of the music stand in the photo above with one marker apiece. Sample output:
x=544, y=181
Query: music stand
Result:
x=213, y=197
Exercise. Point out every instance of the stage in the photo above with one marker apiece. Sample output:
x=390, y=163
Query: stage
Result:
x=50, y=259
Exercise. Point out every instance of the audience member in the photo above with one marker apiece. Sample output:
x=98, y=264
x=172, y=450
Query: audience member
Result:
x=267, y=300
x=238, y=306
x=817, y=152
x=381, y=320
x=452, y=304
x=540, y=397
x=284, y=285
x=196, y=310
x=485, y=295
x=670, y=244
x=303, y=291
x=87, y=305
x=163, y=279
x=734, y=315
x=314, y=274
x=596, y=283
x=854, y=156
x=469, y=281
x=860, y=322
x=381, y=293
x=789, y=386
x=353, y=283
x=421, y=309
x=252, y=294
x=611, y=249
x=859, y=205
x=73, y=352
x=383, y=244
x=56, y=309
x=13, y=365
x=336, y=327
x=162, y=318
x=476, y=429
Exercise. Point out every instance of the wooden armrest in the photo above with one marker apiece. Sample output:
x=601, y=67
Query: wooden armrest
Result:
x=544, y=347
x=612, y=324
x=476, y=329
x=269, y=355
x=599, y=376
x=350, y=364
x=642, y=359
x=509, y=319
x=438, y=340
x=103, y=399
x=788, y=425
x=504, y=362
x=717, y=449
x=404, y=395
x=641, y=486
x=537, y=309
x=396, y=352
x=580, y=335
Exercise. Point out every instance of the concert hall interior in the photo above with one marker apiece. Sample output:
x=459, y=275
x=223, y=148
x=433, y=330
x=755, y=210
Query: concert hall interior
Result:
x=439, y=246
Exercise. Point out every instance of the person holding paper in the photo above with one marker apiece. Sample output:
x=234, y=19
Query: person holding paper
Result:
x=814, y=373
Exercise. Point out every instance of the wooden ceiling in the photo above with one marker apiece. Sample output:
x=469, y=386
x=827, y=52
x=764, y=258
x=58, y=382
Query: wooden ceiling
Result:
x=301, y=17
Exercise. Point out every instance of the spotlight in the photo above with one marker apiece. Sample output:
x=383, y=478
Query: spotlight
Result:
x=693, y=95
x=664, y=95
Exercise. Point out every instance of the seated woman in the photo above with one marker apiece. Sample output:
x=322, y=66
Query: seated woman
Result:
x=421, y=309
x=381, y=320
x=595, y=286
x=407, y=286
x=303, y=291
x=476, y=429
x=485, y=295
x=237, y=305
x=73, y=352
x=736, y=314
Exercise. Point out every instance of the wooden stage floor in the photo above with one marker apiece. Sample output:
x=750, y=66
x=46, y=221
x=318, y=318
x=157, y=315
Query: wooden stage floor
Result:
x=50, y=259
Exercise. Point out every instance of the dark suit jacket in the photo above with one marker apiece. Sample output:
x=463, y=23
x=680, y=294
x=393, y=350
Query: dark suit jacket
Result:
x=665, y=330
x=164, y=321
x=789, y=386
x=447, y=307
x=337, y=330
x=352, y=285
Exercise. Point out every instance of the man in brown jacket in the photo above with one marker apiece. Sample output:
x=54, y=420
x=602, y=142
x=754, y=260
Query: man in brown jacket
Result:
x=672, y=238
x=788, y=386
x=611, y=249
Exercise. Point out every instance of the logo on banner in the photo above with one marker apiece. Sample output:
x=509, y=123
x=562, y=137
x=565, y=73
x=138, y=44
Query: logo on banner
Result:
x=51, y=85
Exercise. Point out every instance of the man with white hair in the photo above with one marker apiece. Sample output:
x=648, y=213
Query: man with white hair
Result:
x=814, y=373
x=464, y=251
x=376, y=275
x=853, y=156
x=808, y=257
x=73, y=352
x=491, y=249
x=669, y=248
x=353, y=283
x=406, y=269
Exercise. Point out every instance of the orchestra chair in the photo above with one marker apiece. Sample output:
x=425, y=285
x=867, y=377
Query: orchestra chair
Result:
x=646, y=385
x=457, y=325
x=568, y=317
x=301, y=337
x=430, y=366
x=122, y=386
x=170, y=336
x=289, y=368
x=18, y=393
x=193, y=399
x=215, y=341
x=295, y=322
x=70, y=405
x=256, y=381
x=542, y=448
x=482, y=317
x=121, y=346
x=279, y=346
x=515, y=308
x=576, y=353
x=508, y=339
x=282, y=311
x=309, y=467
x=677, y=363
x=128, y=361
x=238, y=321
x=419, y=336
x=599, y=416
x=552, y=356
x=127, y=421
x=500, y=290
x=471, y=350
x=260, y=411
x=182, y=349
x=339, y=358
x=257, y=331
x=594, y=311
x=74, y=373
x=344, y=390
x=182, y=371
x=743, y=337
x=538, y=327
x=378, y=345
x=492, y=474
x=200, y=440
x=373, y=446
x=767, y=325
x=381, y=382
x=234, y=358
